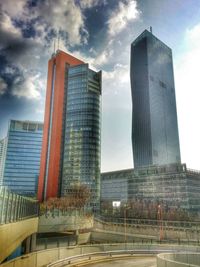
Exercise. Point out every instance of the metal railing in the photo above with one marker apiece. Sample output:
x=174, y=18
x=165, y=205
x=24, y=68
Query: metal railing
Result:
x=173, y=232
x=97, y=256
x=15, y=207
x=49, y=256
x=173, y=224
x=113, y=251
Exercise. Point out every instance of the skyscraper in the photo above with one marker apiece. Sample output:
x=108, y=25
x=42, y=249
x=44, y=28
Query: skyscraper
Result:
x=81, y=155
x=52, y=144
x=155, y=138
x=71, y=143
x=22, y=156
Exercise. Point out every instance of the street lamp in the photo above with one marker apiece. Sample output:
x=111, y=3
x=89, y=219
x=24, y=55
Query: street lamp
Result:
x=125, y=225
x=115, y=206
x=160, y=219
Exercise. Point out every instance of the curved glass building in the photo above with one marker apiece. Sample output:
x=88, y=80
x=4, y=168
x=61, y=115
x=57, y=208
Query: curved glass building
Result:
x=81, y=155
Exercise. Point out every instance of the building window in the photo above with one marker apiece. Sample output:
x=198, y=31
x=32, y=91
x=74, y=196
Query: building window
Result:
x=32, y=127
x=25, y=126
x=155, y=153
x=151, y=78
x=162, y=84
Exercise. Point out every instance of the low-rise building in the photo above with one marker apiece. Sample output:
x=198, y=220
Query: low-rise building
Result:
x=173, y=186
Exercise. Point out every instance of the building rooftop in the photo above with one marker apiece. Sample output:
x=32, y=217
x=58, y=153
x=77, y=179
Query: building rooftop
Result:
x=150, y=170
x=147, y=33
x=26, y=125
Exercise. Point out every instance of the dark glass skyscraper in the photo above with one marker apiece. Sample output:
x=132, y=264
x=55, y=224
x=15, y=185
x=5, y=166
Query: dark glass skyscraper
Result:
x=155, y=138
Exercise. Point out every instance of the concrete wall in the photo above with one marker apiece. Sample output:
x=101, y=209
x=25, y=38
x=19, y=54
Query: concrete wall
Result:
x=45, y=257
x=178, y=260
x=12, y=235
x=84, y=238
x=112, y=237
x=68, y=222
x=62, y=241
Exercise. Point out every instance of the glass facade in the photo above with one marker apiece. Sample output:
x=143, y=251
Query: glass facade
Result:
x=3, y=145
x=81, y=153
x=155, y=138
x=50, y=177
x=15, y=207
x=170, y=185
x=22, y=161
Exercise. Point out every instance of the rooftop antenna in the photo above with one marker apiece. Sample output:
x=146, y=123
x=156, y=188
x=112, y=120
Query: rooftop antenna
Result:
x=58, y=39
x=150, y=29
x=54, y=46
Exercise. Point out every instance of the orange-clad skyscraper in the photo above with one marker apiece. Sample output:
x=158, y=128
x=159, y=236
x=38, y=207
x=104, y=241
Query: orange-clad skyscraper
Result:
x=53, y=122
x=71, y=140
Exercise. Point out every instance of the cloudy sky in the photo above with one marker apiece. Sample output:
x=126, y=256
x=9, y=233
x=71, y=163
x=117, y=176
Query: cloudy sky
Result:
x=99, y=32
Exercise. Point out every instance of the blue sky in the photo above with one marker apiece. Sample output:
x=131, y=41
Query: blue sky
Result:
x=100, y=33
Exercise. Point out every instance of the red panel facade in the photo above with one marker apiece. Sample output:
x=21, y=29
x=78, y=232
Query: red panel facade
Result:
x=60, y=59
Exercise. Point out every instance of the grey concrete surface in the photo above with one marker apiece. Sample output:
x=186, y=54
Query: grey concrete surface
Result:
x=178, y=259
x=131, y=262
x=48, y=256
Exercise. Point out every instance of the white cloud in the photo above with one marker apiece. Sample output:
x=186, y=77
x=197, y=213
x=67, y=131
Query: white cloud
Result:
x=30, y=87
x=125, y=13
x=92, y=3
x=60, y=15
x=13, y=8
x=98, y=60
x=8, y=32
x=63, y=15
x=187, y=87
x=118, y=77
x=7, y=25
x=103, y=57
x=193, y=36
x=3, y=86
x=9, y=70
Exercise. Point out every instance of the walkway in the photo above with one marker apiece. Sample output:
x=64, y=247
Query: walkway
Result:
x=136, y=261
x=18, y=221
